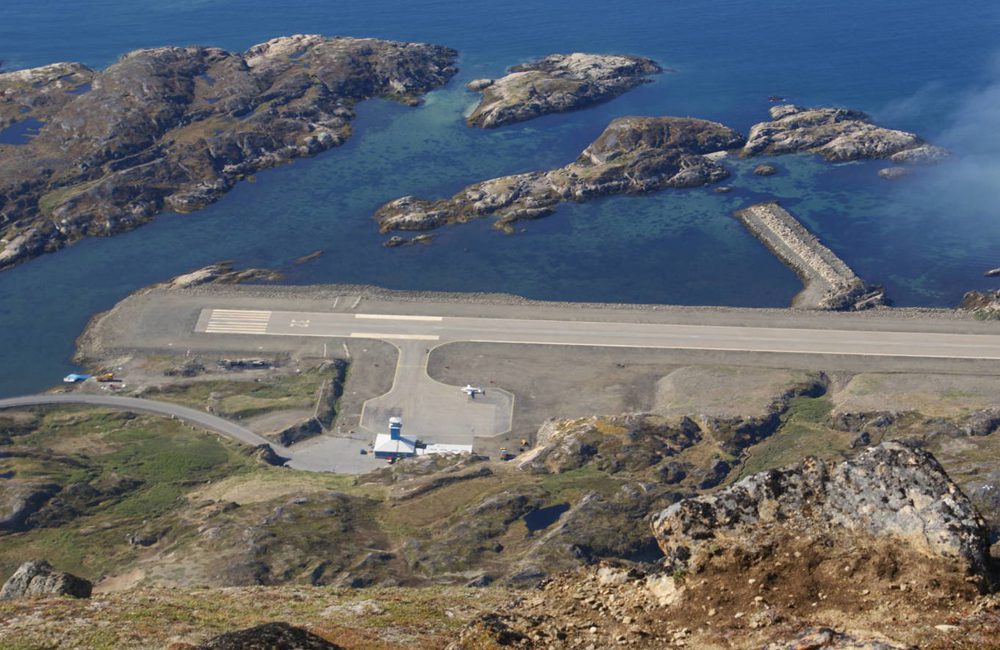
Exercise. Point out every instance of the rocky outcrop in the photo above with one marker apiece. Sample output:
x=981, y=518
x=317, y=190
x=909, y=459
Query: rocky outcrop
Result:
x=174, y=128
x=269, y=636
x=985, y=304
x=38, y=578
x=221, y=273
x=555, y=84
x=627, y=443
x=828, y=282
x=267, y=455
x=632, y=155
x=894, y=173
x=837, y=134
x=21, y=498
x=890, y=492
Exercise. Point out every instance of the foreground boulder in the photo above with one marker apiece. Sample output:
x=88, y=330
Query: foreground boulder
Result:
x=871, y=554
x=632, y=155
x=38, y=578
x=557, y=83
x=269, y=636
x=837, y=134
x=894, y=493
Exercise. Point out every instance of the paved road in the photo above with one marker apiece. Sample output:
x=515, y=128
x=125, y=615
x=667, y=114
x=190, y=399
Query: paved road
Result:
x=322, y=454
x=190, y=415
x=438, y=329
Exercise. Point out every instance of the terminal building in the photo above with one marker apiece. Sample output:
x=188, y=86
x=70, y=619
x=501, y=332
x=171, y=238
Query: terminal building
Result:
x=394, y=445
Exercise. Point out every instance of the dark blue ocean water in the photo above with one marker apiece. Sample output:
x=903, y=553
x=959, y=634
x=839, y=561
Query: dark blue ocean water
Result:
x=921, y=65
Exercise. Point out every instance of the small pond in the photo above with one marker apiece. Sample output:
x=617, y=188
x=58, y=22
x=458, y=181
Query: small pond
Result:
x=21, y=132
x=542, y=518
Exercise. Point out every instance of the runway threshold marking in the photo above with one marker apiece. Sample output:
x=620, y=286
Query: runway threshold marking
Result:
x=401, y=337
x=398, y=317
x=237, y=321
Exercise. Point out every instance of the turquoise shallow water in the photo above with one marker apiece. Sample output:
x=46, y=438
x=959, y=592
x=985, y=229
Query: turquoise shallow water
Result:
x=914, y=64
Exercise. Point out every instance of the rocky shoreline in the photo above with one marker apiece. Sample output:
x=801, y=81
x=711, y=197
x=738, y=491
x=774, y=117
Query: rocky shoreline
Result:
x=644, y=154
x=632, y=155
x=828, y=282
x=555, y=84
x=175, y=128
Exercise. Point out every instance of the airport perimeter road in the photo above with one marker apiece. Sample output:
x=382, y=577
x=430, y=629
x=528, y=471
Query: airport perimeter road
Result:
x=189, y=415
x=432, y=330
x=322, y=454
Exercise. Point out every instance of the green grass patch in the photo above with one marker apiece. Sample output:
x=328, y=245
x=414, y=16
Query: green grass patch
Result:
x=244, y=399
x=803, y=432
x=80, y=445
x=568, y=485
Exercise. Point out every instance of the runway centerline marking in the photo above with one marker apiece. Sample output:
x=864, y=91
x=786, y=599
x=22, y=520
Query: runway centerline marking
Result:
x=669, y=346
x=402, y=337
x=436, y=319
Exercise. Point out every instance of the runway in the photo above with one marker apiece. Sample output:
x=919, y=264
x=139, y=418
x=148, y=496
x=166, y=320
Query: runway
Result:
x=440, y=329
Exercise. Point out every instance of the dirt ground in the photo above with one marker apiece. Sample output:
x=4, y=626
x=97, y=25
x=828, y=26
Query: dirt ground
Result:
x=726, y=391
x=555, y=381
x=373, y=366
x=931, y=394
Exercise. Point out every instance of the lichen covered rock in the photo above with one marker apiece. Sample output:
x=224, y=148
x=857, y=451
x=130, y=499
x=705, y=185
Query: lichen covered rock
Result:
x=889, y=492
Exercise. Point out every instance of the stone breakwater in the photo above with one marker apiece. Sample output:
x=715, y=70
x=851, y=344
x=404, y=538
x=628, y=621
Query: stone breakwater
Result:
x=828, y=283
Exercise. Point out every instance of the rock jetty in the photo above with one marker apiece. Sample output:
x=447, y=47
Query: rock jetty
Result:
x=632, y=155
x=38, y=578
x=828, y=283
x=555, y=84
x=174, y=128
x=837, y=134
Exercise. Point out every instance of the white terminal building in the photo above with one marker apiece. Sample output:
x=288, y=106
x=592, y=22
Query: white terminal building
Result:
x=394, y=445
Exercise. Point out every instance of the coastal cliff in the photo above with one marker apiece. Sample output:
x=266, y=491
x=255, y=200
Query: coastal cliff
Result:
x=174, y=128
x=632, y=155
x=555, y=84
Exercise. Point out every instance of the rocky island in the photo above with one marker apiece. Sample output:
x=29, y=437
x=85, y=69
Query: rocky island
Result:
x=632, y=155
x=174, y=128
x=555, y=84
x=837, y=134
x=642, y=154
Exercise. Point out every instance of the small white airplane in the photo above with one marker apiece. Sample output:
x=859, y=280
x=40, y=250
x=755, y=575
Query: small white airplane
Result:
x=472, y=391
